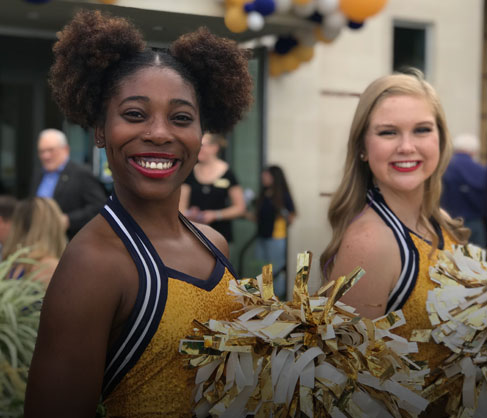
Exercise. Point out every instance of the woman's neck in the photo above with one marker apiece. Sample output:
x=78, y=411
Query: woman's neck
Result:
x=407, y=207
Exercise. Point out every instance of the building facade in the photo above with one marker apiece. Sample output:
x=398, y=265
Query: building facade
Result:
x=300, y=120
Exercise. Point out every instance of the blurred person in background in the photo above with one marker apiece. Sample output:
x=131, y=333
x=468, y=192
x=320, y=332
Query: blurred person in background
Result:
x=7, y=208
x=211, y=194
x=37, y=224
x=464, y=187
x=77, y=191
x=274, y=212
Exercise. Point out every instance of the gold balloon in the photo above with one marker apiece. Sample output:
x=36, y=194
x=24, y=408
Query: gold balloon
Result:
x=359, y=10
x=290, y=62
x=318, y=33
x=275, y=65
x=303, y=53
x=301, y=2
x=236, y=19
x=231, y=3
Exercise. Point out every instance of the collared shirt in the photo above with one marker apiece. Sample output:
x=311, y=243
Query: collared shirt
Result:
x=49, y=181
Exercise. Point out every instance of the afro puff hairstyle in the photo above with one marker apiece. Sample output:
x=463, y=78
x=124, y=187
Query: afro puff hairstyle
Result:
x=95, y=52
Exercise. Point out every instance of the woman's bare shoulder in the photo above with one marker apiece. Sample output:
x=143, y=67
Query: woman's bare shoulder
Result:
x=368, y=229
x=215, y=237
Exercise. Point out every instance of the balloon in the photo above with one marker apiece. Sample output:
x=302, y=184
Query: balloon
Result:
x=330, y=33
x=275, y=65
x=327, y=6
x=264, y=7
x=236, y=19
x=334, y=21
x=232, y=3
x=355, y=25
x=305, y=37
x=255, y=21
x=303, y=52
x=320, y=36
x=304, y=10
x=284, y=44
x=359, y=10
x=302, y=2
x=283, y=6
x=290, y=62
x=249, y=7
x=316, y=17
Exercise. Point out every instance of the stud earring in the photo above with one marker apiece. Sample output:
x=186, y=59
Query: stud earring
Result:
x=362, y=156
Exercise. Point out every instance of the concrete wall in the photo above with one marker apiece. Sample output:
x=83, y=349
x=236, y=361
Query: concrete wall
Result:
x=308, y=131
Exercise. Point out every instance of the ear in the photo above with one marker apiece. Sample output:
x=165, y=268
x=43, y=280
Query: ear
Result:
x=99, y=136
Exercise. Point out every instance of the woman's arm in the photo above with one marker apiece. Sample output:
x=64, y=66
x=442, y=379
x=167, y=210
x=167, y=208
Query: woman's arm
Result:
x=67, y=368
x=372, y=246
x=235, y=210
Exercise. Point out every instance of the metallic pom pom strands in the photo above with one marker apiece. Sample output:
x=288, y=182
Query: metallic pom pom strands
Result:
x=312, y=355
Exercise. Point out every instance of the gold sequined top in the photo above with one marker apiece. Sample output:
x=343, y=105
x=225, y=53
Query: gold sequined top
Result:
x=158, y=385
x=144, y=373
x=415, y=307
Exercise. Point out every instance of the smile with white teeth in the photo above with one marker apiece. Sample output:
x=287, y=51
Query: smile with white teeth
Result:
x=406, y=164
x=154, y=163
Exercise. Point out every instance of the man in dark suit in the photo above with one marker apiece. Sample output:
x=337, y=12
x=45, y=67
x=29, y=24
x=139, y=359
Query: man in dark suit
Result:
x=77, y=191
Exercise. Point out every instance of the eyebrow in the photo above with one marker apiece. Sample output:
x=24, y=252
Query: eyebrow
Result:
x=392, y=125
x=147, y=100
x=135, y=99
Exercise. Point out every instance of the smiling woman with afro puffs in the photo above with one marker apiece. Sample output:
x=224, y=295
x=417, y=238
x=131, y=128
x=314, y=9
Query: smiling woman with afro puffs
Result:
x=132, y=281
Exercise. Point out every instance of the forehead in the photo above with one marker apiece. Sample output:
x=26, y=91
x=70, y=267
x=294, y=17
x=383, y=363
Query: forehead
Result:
x=402, y=107
x=49, y=141
x=156, y=82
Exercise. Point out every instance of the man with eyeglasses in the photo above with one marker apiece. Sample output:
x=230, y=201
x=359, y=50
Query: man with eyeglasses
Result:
x=77, y=191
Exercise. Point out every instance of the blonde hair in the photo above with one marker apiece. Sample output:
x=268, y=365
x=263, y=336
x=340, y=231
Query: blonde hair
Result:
x=217, y=139
x=350, y=197
x=37, y=224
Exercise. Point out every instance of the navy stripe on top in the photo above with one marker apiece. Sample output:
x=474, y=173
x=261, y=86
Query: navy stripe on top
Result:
x=152, y=293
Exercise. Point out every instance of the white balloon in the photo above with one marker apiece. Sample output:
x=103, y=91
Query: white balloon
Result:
x=304, y=10
x=330, y=33
x=255, y=21
x=335, y=20
x=283, y=6
x=305, y=37
x=327, y=6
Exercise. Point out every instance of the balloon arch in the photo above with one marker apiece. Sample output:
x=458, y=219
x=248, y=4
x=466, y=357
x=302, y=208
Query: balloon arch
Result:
x=327, y=18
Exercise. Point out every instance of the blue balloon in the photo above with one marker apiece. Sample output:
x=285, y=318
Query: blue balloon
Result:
x=265, y=7
x=316, y=17
x=249, y=7
x=284, y=44
x=355, y=25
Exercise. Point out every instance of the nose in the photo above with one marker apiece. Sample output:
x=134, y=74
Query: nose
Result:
x=158, y=131
x=406, y=144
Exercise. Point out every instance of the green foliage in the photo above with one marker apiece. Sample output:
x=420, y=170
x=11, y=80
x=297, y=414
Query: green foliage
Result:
x=20, y=303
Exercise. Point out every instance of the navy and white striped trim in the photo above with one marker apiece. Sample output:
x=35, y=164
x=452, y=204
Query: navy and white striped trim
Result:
x=409, y=253
x=151, y=298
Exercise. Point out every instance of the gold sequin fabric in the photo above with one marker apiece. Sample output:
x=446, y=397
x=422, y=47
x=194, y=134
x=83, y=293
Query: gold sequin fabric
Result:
x=415, y=307
x=159, y=385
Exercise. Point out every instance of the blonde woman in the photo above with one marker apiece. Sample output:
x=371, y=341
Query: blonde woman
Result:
x=37, y=224
x=385, y=214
